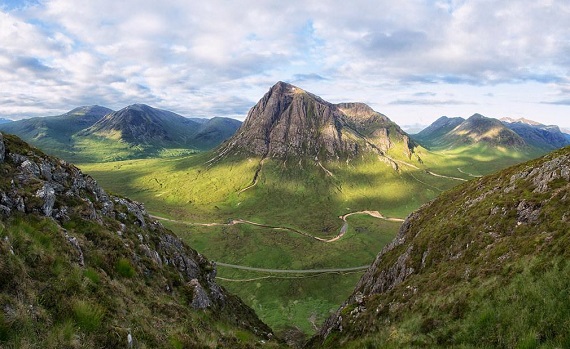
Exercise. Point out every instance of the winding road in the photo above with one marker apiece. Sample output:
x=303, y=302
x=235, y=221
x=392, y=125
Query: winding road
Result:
x=341, y=233
x=293, y=271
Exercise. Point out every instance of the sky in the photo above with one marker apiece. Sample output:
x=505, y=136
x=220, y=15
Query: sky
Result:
x=412, y=60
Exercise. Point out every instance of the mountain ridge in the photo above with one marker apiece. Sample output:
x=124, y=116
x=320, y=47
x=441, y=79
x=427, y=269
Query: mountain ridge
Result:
x=443, y=133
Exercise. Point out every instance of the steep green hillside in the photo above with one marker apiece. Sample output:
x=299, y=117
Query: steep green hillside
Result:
x=483, y=265
x=81, y=268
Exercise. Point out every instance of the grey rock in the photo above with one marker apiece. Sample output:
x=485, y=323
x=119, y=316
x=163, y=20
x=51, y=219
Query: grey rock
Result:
x=30, y=167
x=47, y=194
x=5, y=211
x=17, y=158
x=73, y=241
x=45, y=170
x=200, y=299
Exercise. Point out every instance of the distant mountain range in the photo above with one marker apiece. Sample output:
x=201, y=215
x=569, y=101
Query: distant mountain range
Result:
x=448, y=132
x=135, y=131
x=4, y=121
x=546, y=137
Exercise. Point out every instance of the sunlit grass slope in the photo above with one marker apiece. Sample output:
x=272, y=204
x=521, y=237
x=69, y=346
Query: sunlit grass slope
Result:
x=295, y=194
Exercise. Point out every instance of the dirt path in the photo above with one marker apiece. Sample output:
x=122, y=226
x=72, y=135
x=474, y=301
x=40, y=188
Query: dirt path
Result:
x=341, y=233
x=304, y=276
x=467, y=173
x=427, y=171
x=294, y=271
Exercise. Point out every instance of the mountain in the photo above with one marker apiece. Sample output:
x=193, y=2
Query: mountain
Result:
x=536, y=134
x=141, y=124
x=214, y=131
x=82, y=268
x=482, y=265
x=100, y=134
x=289, y=122
x=57, y=128
x=438, y=128
x=510, y=120
x=4, y=121
x=476, y=130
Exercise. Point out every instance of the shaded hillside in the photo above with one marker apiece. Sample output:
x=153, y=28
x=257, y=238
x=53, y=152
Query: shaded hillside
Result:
x=141, y=124
x=482, y=265
x=538, y=135
x=82, y=268
x=289, y=122
x=476, y=130
x=53, y=132
x=214, y=131
x=437, y=129
x=94, y=134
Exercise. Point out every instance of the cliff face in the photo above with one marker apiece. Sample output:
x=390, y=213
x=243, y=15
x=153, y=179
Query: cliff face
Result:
x=80, y=266
x=290, y=122
x=496, y=244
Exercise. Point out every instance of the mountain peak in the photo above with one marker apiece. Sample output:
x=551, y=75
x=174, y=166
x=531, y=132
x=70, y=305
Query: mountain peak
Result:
x=92, y=110
x=477, y=116
x=291, y=122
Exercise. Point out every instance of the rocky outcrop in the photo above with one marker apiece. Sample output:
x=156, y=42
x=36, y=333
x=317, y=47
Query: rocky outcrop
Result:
x=289, y=122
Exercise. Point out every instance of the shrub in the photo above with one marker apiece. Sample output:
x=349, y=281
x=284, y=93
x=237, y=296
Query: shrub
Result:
x=88, y=315
x=124, y=268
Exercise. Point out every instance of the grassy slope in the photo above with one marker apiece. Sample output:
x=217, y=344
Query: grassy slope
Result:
x=298, y=196
x=49, y=299
x=493, y=277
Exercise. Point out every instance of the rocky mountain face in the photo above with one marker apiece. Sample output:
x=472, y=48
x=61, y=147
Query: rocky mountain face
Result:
x=536, y=134
x=483, y=265
x=82, y=268
x=289, y=122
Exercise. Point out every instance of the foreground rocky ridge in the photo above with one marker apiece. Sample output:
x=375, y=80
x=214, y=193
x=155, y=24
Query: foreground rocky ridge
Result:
x=80, y=267
x=468, y=268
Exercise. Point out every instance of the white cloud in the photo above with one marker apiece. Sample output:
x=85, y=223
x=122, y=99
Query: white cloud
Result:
x=210, y=57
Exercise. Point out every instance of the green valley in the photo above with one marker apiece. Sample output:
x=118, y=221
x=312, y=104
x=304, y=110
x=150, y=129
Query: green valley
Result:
x=302, y=196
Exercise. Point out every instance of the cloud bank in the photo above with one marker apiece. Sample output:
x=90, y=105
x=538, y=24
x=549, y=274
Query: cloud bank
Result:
x=209, y=58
